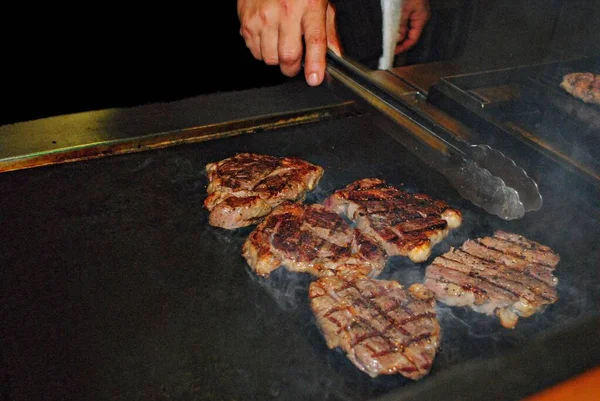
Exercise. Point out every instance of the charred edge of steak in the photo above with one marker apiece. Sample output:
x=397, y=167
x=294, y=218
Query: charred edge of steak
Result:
x=382, y=328
x=506, y=274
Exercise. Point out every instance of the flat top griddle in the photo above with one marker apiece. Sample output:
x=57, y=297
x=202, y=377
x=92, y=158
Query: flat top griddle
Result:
x=114, y=286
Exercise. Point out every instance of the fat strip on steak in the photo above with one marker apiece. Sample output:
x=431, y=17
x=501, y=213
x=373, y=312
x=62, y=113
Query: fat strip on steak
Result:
x=380, y=326
x=507, y=275
x=402, y=223
x=244, y=188
x=309, y=238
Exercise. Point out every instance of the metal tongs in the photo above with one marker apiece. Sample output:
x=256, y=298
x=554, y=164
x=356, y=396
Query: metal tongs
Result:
x=479, y=173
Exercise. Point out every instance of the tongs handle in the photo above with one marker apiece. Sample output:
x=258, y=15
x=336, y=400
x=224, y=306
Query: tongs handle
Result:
x=380, y=96
x=479, y=173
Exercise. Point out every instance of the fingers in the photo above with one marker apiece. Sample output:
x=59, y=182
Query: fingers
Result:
x=259, y=26
x=315, y=39
x=269, y=45
x=414, y=33
x=274, y=30
x=416, y=19
x=402, y=30
x=290, y=47
x=250, y=28
x=407, y=43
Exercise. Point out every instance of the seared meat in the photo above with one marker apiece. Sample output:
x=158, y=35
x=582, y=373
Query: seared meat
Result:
x=310, y=239
x=583, y=85
x=382, y=328
x=243, y=189
x=402, y=223
x=506, y=274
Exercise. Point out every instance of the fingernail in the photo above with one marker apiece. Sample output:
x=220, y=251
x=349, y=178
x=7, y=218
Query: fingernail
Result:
x=313, y=79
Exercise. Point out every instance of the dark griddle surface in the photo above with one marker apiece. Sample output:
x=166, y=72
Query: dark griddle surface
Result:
x=113, y=285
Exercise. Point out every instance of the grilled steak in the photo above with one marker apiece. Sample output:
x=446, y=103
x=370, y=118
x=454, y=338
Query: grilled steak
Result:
x=506, y=274
x=583, y=85
x=402, y=223
x=309, y=238
x=382, y=328
x=243, y=189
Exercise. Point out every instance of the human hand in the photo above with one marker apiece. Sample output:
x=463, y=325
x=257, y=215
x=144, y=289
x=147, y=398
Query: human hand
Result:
x=415, y=14
x=280, y=32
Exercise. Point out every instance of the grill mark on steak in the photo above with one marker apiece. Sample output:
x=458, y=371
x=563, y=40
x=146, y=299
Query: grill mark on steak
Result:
x=321, y=218
x=244, y=170
x=502, y=282
x=415, y=318
x=403, y=223
x=537, y=271
x=308, y=238
x=500, y=274
x=382, y=328
x=540, y=273
x=482, y=289
x=531, y=255
x=368, y=304
x=425, y=224
x=506, y=274
x=475, y=278
x=244, y=188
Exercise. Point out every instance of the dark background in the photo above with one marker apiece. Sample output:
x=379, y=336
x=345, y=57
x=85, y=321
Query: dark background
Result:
x=63, y=61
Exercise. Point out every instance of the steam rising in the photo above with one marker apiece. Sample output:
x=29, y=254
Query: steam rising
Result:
x=182, y=172
x=289, y=290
